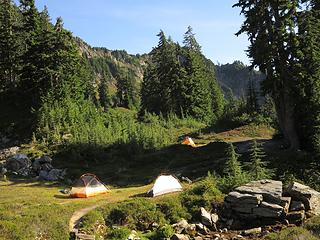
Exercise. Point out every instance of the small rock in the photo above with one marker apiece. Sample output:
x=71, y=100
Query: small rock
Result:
x=214, y=217
x=186, y=179
x=190, y=230
x=180, y=226
x=237, y=237
x=216, y=235
x=179, y=237
x=252, y=231
x=205, y=217
x=224, y=230
x=202, y=228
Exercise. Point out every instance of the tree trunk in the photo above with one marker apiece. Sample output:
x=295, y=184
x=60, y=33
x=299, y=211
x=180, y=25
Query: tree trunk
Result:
x=285, y=112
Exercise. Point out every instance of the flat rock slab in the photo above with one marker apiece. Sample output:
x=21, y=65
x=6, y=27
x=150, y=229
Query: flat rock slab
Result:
x=236, y=197
x=268, y=210
x=270, y=190
x=308, y=196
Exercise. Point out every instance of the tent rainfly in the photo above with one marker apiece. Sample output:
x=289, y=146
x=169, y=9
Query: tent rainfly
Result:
x=188, y=141
x=88, y=185
x=165, y=184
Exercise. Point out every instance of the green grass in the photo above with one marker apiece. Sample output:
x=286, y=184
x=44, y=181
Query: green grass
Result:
x=30, y=209
x=33, y=209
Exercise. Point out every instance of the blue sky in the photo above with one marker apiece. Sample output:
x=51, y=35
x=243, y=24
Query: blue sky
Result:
x=133, y=24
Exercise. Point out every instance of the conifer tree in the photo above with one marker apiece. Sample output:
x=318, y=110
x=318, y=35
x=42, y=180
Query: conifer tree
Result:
x=198, y=98
x=251, y=98
x=104, y=96
x=150, y=90
x=271, y=27
x=126, y=89
x=308, y=108
x=9, y=45
x=257, y=167
x=234, y=176
x=233, y=167
x=161, y=89
x=205, y=99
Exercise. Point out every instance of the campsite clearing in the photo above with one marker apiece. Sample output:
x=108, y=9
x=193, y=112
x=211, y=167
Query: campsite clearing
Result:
x=35, y=209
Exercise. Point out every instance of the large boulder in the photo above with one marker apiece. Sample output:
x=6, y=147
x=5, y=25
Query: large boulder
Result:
x=308, y=196
x=52, y=175
x=19, y=164
x=268, y=210
x=42, y=163
x=270, y=190
x=242, y=202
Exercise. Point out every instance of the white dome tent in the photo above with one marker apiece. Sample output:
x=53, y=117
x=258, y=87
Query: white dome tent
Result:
x=165, y=184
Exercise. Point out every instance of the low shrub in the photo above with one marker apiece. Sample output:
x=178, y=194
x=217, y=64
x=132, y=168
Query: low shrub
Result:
x=294, y=233
x=91, y=223
x=138, y=214
x=173, y=210
x=118, y=233
x=165, y=231
x=313, y=225
x=203, y=194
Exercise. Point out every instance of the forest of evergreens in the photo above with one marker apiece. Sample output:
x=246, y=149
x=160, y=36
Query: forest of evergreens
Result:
x=44, y=67
x=109, y=111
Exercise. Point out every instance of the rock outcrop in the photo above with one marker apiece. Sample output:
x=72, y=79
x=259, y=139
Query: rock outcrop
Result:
x=309, y=198
x=265, y=202
x=21, y=165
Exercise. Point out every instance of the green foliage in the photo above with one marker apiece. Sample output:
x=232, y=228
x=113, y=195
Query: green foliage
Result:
x=118, y=233
x=202, y=194
x=313, y=225
x=10, y=45
x=233, y=174
x=181, y=81
x=291, y=233
x=256, y=166
x=81, y=122
x=90, y=221
x=173, y=210
x=165, y=231
x=136, y=214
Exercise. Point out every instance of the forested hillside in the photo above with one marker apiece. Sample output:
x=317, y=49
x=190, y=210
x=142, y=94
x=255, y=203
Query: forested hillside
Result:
x=68, y=108
x=111, y=65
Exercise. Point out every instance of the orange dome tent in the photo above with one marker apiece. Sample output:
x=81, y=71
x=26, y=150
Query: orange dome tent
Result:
x=88, y=185
x=188, y=141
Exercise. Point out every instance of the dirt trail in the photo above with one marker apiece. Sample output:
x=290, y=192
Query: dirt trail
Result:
x=77, y=215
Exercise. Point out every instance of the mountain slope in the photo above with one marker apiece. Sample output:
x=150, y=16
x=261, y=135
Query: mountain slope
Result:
x=108, y=65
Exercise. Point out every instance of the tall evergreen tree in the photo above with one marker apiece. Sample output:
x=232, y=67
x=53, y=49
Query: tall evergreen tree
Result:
x=126, y=89
x=161, y=90
x=308, y=108
x=271, y=26
x=9, y=45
